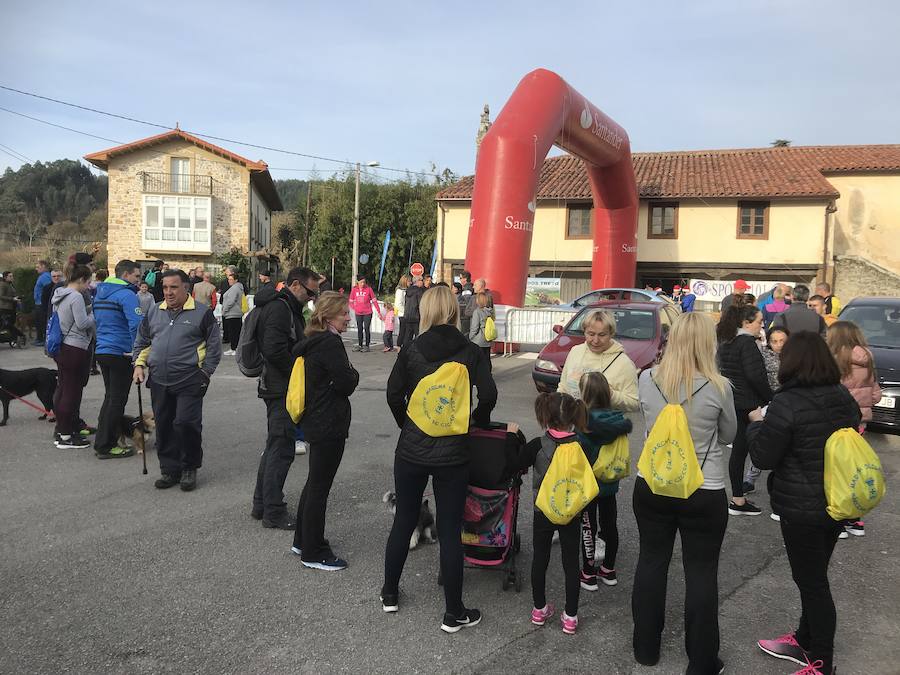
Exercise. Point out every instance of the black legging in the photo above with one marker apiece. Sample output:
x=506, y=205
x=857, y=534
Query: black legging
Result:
x=738, y=455
x=309, y=535
x=609, y=531
x=364, y=329
x=231, y=327
x=542, y=536
x=450, y=487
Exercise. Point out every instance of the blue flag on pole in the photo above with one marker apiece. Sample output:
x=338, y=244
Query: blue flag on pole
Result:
x=387, y=243
x=434, y=258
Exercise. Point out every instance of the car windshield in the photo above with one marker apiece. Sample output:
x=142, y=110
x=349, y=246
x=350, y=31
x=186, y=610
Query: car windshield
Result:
x=631, y=324
x=880, y=324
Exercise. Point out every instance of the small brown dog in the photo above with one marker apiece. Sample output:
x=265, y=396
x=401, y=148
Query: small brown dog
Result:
x=137, y=430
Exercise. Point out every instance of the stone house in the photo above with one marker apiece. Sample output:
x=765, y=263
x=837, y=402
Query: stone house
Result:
x=179, y=198
x=777, y=214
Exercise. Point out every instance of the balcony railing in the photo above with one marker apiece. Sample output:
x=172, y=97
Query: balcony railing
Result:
x=177, y=183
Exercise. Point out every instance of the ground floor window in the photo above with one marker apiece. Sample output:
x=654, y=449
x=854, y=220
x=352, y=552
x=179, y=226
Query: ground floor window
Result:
x=174, y=223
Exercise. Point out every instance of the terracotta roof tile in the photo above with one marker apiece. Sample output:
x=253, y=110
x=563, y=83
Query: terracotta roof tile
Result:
x=101, y=159
x=754, y=172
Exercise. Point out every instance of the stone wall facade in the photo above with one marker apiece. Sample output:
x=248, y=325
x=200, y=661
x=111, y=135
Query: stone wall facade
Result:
x=855, y=276
x=229, y=220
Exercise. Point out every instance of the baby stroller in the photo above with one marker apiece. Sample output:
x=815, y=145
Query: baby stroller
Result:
x=9, y=332
x=490, y=521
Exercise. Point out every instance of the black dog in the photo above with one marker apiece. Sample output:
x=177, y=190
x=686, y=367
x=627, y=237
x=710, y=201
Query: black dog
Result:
x=41, y=381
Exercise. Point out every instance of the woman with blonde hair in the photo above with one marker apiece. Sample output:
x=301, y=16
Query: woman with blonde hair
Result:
x=443, y=458
x=687, y=375
x=602, y=353
x=483, y=311
x=330, y=380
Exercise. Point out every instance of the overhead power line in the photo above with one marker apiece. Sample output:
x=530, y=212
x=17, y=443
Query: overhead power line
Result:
x=195, y=133
x=15, y=153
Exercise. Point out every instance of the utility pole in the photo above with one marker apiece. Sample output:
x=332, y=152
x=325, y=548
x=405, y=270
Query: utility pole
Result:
x=306, y=233
x=355, y=264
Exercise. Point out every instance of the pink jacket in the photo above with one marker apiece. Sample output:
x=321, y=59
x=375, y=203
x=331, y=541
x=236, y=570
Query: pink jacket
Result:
x=864, y=387
x=389, y=320
x=361, y=299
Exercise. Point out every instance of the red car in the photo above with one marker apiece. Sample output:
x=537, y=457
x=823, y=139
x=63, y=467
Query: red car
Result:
x=641, y=327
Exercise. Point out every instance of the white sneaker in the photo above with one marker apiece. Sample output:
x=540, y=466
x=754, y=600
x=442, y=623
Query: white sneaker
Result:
x=229, y=352
x=775, y=517
x=843, y=535
x=300, y=447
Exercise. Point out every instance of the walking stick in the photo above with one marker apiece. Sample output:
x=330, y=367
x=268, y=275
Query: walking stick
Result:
x=143, y=431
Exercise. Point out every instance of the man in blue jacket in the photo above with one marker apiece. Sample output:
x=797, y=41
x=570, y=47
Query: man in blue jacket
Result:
x=118, y=314
x=40, y=316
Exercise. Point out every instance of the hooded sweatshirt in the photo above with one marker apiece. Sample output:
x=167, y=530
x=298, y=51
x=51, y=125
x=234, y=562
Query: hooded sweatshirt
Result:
x=420, y=358
x=615, y=365
x=76, y=325
x=604, y=426
x=118, y=314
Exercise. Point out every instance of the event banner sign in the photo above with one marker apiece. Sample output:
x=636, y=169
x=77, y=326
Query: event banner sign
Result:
x=713, y=291
x=542, y=291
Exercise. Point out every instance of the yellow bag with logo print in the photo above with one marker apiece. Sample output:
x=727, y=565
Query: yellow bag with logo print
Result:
x=568, y=486
x=614, y=461
x=668, y=461
x=295, y=401
x=854, y=479
x=441, y=402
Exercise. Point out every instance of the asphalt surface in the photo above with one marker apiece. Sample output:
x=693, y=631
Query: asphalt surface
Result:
x=101, y=573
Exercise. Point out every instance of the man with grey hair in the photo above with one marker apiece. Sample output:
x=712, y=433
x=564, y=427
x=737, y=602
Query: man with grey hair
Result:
x=832, y=304
x=798, y=317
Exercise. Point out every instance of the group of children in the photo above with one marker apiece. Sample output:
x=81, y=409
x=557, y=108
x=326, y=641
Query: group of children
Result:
x=591, y=423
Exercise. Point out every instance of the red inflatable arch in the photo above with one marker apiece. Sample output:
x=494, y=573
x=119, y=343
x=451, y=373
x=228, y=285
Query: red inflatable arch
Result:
x=544, y=110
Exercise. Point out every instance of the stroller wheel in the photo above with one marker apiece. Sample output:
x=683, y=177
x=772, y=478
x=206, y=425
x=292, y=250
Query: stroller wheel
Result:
x=517, y=543
x=507, y=580
x=518, y=584
x=440, y=578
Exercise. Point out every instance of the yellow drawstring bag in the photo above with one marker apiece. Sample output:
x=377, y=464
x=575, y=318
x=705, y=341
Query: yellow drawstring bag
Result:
x=245, y=304
x=854, y=479
x=490, y=329
x=295, y=401
x=614, y=461
x=440, y=404
x=568, y=486
x=668, y=461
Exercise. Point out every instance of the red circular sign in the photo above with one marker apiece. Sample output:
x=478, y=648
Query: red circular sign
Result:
x=417, y=269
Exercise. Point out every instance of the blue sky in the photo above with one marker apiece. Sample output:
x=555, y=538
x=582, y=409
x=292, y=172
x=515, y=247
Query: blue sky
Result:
x=403, y=83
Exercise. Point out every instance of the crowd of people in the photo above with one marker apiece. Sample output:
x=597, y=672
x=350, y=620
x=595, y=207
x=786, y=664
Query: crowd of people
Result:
x=772, y=380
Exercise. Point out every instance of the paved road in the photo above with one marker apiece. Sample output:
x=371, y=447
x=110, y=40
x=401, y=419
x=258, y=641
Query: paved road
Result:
x=101, y=573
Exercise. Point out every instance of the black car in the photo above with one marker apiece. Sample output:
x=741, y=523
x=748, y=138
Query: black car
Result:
x=879, y=320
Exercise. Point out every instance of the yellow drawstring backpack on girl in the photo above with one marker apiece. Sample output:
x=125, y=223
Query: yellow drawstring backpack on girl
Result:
x=568, y=486
x=614, y=461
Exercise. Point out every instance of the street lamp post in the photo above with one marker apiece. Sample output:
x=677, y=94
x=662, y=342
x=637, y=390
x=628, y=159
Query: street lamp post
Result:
x=355, y=265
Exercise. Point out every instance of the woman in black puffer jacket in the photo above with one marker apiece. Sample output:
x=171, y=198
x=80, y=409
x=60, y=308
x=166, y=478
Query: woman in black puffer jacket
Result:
x=444, y=458
x=741, y=362
x=810, y=406
x=330, y=380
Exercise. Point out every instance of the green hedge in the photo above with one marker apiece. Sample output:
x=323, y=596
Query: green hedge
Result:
x=24, y=279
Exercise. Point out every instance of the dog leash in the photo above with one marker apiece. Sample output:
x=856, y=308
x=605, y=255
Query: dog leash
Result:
x=26, y=402
x=141, y=418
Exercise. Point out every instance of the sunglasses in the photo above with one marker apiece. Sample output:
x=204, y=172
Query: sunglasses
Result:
x=310, y=292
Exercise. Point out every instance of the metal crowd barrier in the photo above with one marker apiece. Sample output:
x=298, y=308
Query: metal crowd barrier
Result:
x=529, y=325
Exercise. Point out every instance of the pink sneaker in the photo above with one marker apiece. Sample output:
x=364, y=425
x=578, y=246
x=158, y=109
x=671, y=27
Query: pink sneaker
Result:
x=812, y=669
x=785, y=647
x=540, y=616
x=569, y=623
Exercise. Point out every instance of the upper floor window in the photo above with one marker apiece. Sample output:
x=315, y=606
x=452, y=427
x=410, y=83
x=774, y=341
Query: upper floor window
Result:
x=662, y=222
x=176, y=223
x=578, y=221
x=180, y=175
x=753, y=220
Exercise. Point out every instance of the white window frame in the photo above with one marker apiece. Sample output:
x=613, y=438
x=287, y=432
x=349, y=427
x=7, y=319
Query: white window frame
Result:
x=190, y=239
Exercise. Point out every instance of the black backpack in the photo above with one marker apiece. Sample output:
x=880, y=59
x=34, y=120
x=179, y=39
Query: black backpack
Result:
x=249, y=359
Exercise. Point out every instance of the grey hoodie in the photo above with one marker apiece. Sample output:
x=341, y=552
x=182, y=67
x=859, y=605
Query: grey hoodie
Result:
x=76, y=325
